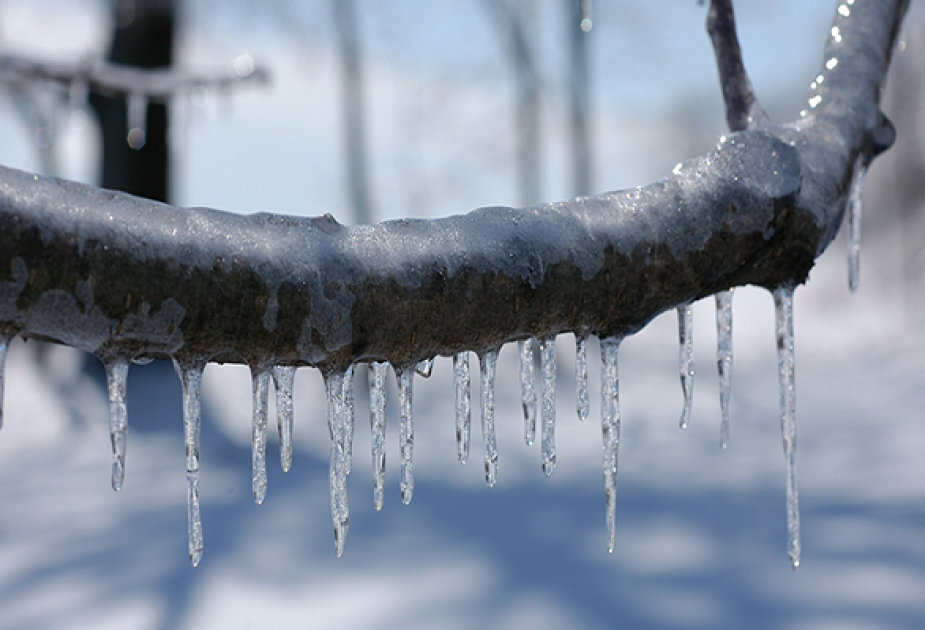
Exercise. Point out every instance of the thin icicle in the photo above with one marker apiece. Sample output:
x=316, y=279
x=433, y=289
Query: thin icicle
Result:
x=283, y=379
x=528, y=388
x=349, y=410
x=854, y=223
x=260, y=381
x=137, y=122
x=582, y=403
x=724, y=358
x=337, y=427
x=116, y=378
x=686, y=362
x=425, y=368
x=377, y=409
x=610, y=430
x=463, y=405
x=406, y=432
x=783, y=306
x=190, y=374
x=548, y=445
x=4, y=346
x=488, y=363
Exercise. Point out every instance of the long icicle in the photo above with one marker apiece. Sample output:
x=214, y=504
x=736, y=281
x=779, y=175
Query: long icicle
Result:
x=190, y=373
x=4, y=346
x=488, y=363
x=528, y=388
x=582, y=402
x=783, y=307
x=610, y=430
x=724, y=359
x=283, y=380
x=116, y=379
x=548, y=443
x=377, y=414
x=350, y=416
x=854, y=222
x=406, y=432
x=260, y=386
x=462, y=381
x=686, y=360
x=337, y=475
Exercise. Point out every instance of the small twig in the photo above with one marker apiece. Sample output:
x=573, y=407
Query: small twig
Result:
x=743, y=111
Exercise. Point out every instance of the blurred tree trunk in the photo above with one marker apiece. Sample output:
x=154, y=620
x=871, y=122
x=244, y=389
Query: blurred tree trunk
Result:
x=579, y=27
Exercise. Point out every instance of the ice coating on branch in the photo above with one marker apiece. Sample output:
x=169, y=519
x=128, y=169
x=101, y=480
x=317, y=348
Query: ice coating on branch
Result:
x=461, y=380
x=283, y=379
x=686, y=360
x=378, y=371
x=190, y=374
x=137, y=121
x=783, y=307
x=488, y=363
x=337, y=428
x=528, y=387
x=724, y=359
x=425, y=368
x=548, y=442
x=854, y=223
x=4, y=346
x=406, y=432
x=260, y=385
x=349, y=410
x=610, y=430
x=116, y=378
x=582, y=402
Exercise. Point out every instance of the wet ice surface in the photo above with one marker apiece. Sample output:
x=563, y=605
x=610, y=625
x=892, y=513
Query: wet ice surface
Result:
x=700, y=535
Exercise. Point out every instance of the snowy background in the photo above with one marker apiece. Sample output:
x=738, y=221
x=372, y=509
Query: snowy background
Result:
x=701, y=533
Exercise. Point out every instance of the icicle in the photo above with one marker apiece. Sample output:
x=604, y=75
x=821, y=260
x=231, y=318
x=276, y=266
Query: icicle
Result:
x=337, y=427
x=190, y=374
x=548, y=362
x=137, y=121
x=686, y=337
x=783, y=306
x=463, y=405
x=349, y=410
x=425, y=368
x=528, y=388
x=854, y=223
x=377, y=416
x=260, y=380
x=610, y=430
x=724, y=358
x=283, y=379
x=406, y=432
x=581, y=376
x=116, y=377
x=4, y=346
x=488, y=362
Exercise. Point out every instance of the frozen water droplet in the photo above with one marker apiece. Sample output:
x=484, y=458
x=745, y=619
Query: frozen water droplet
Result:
x=137, y=121
x=724, y=358
x=686, y=337
x=582, y=402
x=142, y=360
x=463, y=405
x=425, y=368
x=337, y=428
x=548, y=445
x=488, y=363
x=190, y=373
x=854, y=223
x=406, y=432
x=528, y=388
x=783, y=307
x=283, y=379
x=350, y=415
x=260, y=379
x=610, y=430
x=116, y=378
x=377, y=415
x=4, y=346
